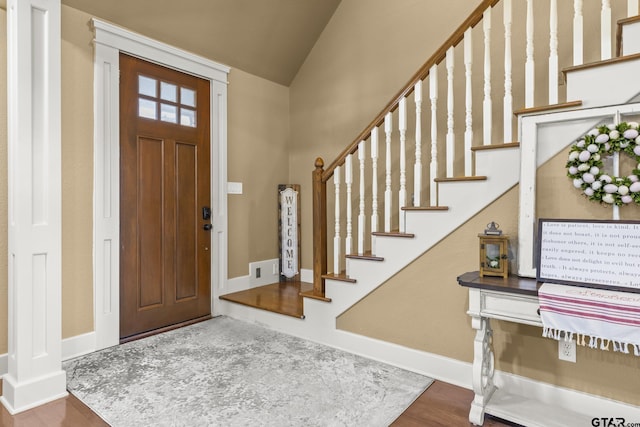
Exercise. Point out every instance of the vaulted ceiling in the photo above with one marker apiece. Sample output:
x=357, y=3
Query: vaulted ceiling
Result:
x=267, y=38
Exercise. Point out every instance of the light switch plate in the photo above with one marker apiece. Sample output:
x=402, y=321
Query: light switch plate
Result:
x=234, y=188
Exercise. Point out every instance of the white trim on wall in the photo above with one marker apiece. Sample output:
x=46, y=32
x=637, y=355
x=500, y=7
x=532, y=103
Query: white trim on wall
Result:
x=109, y=41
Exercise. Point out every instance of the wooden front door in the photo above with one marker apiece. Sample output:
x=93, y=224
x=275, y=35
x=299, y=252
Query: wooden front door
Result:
x=165, y=197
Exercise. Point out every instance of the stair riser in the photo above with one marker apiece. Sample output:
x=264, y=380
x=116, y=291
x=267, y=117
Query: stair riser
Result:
x=631, y=37
x=587, y=84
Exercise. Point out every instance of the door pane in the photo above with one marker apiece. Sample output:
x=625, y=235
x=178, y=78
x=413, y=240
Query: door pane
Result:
x=147, y=86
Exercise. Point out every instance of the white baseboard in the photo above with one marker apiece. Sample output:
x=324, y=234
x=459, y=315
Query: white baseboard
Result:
x=269, y=272
x=79, y=345
x=306, y=275
x=4, y=364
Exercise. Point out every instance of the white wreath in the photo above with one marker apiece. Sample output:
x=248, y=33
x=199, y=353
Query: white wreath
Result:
x=584, y=166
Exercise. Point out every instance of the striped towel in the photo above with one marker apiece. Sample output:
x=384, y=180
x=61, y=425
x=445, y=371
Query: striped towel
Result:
x=597, y=317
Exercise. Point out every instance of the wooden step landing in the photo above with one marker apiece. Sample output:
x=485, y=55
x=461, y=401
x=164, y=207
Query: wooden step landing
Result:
x=282, y=298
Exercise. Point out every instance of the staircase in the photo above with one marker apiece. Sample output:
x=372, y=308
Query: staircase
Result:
x=392, y=227
x=412, y=177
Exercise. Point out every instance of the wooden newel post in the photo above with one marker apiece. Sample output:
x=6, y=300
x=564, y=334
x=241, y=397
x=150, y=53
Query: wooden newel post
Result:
x=319, y=227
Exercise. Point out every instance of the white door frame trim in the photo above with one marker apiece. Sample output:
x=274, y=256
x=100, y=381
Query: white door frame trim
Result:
x=109, y=41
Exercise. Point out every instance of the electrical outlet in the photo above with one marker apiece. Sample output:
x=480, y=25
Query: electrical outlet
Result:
x=258, y=271
x=567, y=350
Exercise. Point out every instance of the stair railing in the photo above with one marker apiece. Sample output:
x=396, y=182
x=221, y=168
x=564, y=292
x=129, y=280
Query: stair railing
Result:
x=395, y=199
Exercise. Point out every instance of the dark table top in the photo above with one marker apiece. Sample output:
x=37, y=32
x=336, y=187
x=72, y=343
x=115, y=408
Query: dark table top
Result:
x=512, y=284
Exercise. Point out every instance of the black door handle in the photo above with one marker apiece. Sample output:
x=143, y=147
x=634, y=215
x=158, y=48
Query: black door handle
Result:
x=208, y=227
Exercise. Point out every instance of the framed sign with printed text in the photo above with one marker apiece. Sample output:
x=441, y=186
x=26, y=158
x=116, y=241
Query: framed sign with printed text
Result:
x=601, y=254
x=289, y=231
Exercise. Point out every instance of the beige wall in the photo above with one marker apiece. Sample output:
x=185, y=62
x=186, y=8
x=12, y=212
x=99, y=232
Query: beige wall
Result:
x=77, y=173
x=257, y=156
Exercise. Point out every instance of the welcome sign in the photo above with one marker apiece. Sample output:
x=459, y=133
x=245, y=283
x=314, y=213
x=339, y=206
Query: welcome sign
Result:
x=289, y=231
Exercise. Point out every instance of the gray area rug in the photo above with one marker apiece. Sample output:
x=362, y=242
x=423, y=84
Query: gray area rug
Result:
x=226, y=372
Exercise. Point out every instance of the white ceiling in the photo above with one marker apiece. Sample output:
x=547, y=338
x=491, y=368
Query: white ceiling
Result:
x=267, y=38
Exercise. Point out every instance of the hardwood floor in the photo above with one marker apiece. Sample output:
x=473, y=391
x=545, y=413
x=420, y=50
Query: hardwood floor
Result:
x=441, y=404
x=283, y=297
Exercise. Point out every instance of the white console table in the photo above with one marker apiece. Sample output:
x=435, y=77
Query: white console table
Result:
x=512, y=299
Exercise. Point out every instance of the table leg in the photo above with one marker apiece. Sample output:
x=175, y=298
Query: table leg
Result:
x=483, y=368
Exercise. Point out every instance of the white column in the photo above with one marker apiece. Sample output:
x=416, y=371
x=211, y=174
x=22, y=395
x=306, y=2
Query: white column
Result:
x=402, y=127
x=578, y=33
x=433, y=165
x=605, y=29
x=553, y=52
x=468, y=117
x=35, y=374
x=388, y=126
x=417, y=167
x=487, y=103
x=507, y=105
x=348, y=179
x=632, y=8
x=530, y=67
x=361, y=218
x=450, y=153
x=337, y=253
x=374, y=186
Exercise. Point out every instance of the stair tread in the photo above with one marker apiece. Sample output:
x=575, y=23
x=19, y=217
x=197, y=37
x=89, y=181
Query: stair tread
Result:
x=342, y=277
x=312, y=294
x=462, y=178
x=394, y=233
x=599, y=63
x=425, y=208
x=366, y=256
x=495, y=146
x=550, y=107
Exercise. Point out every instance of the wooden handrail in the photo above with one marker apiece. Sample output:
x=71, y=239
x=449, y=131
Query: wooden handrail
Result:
x=474, y=18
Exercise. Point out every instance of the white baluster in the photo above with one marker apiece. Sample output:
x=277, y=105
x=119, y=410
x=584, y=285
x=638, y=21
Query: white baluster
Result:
x=402, y=127
x=348, y=179
x=530, y=70
x=553, y=52
x=632, y=8
x=361, y=156
x=450, y=148
x=433, y=166
x=605, y=29
x=417, y=167
x=388, y=126
x=578, y=33
x=468, y=118
x=487, y=105
x=374, y=186
x=337, y=255
x=508, y=97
